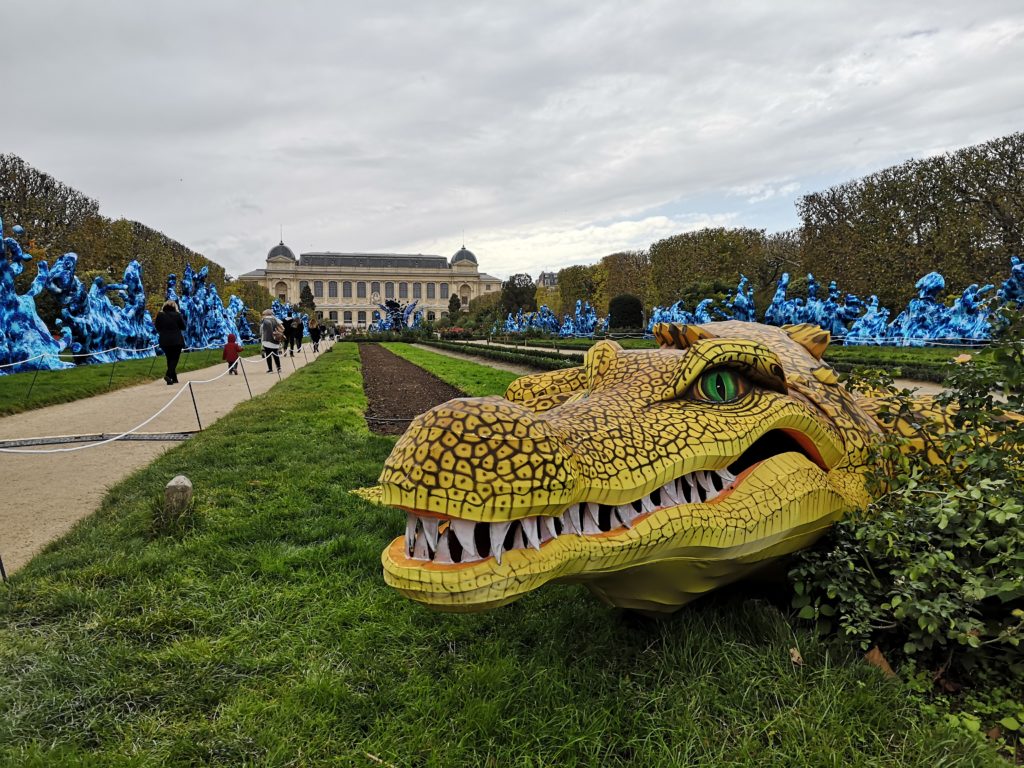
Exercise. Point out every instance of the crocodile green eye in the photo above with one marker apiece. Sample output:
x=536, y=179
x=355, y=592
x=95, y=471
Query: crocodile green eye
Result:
x=721, y=385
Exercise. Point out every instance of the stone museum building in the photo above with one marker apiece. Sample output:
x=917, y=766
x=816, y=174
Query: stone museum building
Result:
x=348, y=287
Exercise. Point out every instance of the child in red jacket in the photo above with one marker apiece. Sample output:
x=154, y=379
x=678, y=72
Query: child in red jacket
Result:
x=231, y=352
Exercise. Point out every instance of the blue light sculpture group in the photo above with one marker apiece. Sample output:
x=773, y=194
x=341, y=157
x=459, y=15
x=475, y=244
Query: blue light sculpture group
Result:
x=90, y=326
x=850, y=319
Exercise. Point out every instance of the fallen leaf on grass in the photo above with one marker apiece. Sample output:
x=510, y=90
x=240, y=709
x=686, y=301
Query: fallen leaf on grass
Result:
x=875, y=658
x=795, y=657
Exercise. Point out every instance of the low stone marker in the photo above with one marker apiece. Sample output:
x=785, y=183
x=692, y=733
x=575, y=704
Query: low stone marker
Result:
x=177, y=500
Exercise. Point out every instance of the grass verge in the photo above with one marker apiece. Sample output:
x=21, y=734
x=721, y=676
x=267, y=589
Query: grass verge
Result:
x=18, y=391
x=262, y=634
x=473, y=379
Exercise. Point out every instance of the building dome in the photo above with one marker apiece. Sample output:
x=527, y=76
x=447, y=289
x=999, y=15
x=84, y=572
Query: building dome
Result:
x=282, y=250
x=463, y=254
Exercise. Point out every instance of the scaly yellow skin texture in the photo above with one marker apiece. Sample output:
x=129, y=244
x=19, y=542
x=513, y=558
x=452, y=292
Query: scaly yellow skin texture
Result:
x=620, y=430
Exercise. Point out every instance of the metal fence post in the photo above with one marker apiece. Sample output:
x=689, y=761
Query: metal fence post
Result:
x=194, y=406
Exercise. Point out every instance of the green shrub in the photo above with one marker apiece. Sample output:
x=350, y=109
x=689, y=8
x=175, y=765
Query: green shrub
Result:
x=625, y=311
x=933, y=571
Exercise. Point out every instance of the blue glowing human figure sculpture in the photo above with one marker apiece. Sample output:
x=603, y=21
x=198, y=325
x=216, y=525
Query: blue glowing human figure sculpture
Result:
x=778, y=310
x=675, y=313
x=104, y=319
x=1012, y=289
x=514, y=323
x=171, y=292
x=741, y=306
x=236, y=311
x=702, y=312
x=924, y=318
x=584, y=319
x=968, y=318
x=72, y=298
x=411, y=318
x=872, y=327
x=137, y=336
x=215, y=323
x=25, y=342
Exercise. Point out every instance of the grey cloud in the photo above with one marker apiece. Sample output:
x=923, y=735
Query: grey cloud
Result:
x=399, y=124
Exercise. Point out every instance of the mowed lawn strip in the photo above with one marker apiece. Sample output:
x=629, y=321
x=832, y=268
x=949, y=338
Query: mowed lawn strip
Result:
x=19, y=393
x=263, y=634
x=476, y=380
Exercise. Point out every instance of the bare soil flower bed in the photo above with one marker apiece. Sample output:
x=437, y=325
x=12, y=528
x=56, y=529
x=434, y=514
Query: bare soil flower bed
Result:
x=397, y=390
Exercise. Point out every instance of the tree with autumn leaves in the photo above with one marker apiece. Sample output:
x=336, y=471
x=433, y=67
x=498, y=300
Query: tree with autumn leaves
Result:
x=960, y=213
x=58, y=218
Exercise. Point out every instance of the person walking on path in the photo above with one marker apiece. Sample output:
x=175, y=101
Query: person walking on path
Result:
x=271, y=336
x=293, y=334
x=231, y=352
x=169, y=327
x=314, y=333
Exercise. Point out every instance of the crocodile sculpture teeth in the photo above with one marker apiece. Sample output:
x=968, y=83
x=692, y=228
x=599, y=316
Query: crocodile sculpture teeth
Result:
x=650, y=476
x=452, y=542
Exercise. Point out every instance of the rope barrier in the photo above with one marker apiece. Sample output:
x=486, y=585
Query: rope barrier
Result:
x=123, y=435
x=141, y=437
x=137, y=427
x=105, y=351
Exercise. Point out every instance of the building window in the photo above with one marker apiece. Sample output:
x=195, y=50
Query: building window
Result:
x=362, y=318
x=303, y=285
x=444, y=290
x=375, y=288
x=281, y=289
x=318, y=288
x=417, y=291
x=360, y=290
x=334, y=316
x=430, y=291
x=488, y=288
x=346, y=290
x=332, y=289
x=348, y=318
x=403, y=290
x=431, y=316
x=389, y=290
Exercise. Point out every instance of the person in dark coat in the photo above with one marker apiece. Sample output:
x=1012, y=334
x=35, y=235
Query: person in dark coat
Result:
x=170, y=326
x=314, y=333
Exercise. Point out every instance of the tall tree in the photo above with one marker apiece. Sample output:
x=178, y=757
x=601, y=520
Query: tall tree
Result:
x=576, y=283
x=454, y=305
x=306, y=302
x=705, y=255
x=625, y=272
x=518, y=292
x=961, y=214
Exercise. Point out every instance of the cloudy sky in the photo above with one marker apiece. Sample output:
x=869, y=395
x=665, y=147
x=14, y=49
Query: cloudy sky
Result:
x=550, y=133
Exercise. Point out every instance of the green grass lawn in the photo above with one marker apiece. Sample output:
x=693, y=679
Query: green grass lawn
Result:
x=471, y=378
x=19, y=393
x=263, y=634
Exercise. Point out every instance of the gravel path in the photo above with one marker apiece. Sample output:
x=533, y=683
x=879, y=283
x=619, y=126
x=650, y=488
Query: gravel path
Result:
x=47, y=493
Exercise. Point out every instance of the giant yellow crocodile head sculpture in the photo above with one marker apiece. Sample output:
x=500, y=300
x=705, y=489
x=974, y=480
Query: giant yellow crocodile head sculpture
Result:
x=652, y=476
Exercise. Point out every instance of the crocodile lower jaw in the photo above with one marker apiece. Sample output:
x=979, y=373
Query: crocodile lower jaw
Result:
x=753, y=519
